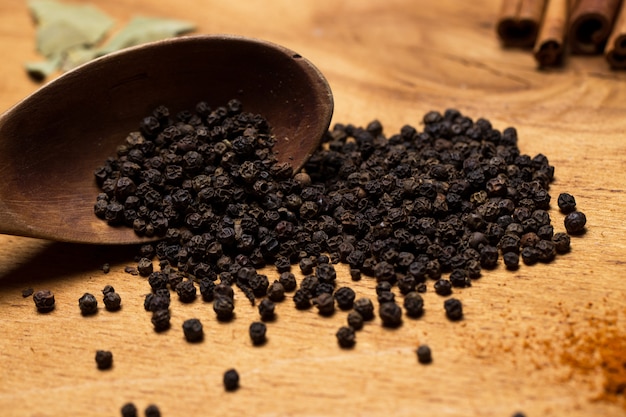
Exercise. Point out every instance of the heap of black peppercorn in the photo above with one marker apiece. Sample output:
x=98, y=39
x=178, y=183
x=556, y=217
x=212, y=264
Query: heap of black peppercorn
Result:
x=412, y=209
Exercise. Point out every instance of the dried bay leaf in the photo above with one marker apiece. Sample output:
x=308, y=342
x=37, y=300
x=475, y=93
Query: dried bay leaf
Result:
x=145, y=29
x=69, y=35
x=65, y=26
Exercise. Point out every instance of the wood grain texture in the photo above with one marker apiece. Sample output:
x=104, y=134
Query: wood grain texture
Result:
x=390, y=60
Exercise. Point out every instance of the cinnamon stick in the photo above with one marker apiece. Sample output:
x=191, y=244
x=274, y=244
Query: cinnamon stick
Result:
x=616, y=45
x=590, y=25
x=549, y=47
x=519, y=22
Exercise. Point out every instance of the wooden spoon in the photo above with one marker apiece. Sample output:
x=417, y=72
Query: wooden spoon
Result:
x=52, y=141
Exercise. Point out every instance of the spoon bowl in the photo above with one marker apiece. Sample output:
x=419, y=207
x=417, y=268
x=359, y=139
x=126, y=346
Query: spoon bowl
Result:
x=52, y=141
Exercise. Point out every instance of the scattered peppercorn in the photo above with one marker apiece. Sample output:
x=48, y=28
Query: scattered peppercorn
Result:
x=424, y=354
x=511, y=260
x=159, y=300
x=346, y=337
x=413, y=304
x=131, y=270
x=223, y=307
x=454, y=309
x=390, y=314
x=276, y=291
x=186, y=291
x=44, y=300
x=27, y=292
x=575, y=222
x=566, y=202
x=325, y=304
x=161, y=320
x=345, y=298
x=365, y=308
x=104, y=359
x=266, y=309
x=129, y=410
x=112, y=301
x=231, y=380
x=301, y=299
x=355, y=320
x=561, y=242
x=88, y=304
x=106, y=268
x=152, y=411
x=145, y=267
x=288, y=280
x=443, y=287
x=257, y=333
x=192, y=328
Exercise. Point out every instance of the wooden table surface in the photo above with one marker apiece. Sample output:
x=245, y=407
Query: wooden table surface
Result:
x=537, y=340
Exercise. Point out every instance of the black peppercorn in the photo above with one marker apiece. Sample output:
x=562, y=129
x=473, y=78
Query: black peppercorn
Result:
x=413, y=304
x=424, y=355
x=345, y=298
x=301, y=299
x=561, y=242
x=104, y=359
x=355, y=320
x=530, y=255
x=161, y=320
x=454, y=309
x=575, y=222
x=129, y=410
x=325, y=304
x=566, y=202
x=276, y=291
x=346, y=337
x=157, y=301
x=266, y=309
x=207, y=289
x=144, y=267
x=326, y=273
x=386, y=297
x=88, y=304
x=186, y=291
x=365, y=308
x=443, y=287
x=511, y=260
x=44, y=301
x=192, y=329
x=231, y=380
x=152, y=411
x=223, y=307
x=112, y=300
x=257, y=333
x=390, y=314
x=546, y=250
x=288, y=280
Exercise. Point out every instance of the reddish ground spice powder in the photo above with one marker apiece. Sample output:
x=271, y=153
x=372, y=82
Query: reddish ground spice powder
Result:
x=600, y=349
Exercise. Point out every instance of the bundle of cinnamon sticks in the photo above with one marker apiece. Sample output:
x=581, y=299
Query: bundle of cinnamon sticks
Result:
x=552, y=28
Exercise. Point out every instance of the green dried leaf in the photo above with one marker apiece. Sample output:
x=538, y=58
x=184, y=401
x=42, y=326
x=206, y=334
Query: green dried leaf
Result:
x=42, y=69
x=145, y=29
x=64, y=26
